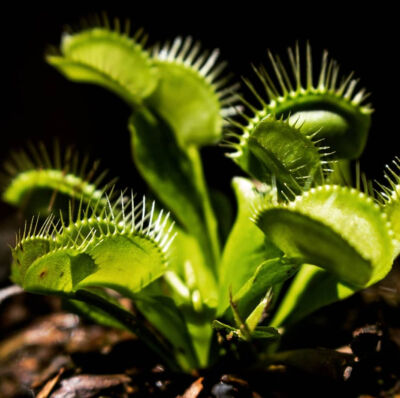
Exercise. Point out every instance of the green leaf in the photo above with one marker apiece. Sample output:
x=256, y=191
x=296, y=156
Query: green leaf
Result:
x=224, y=212
x=268, y=274
x=311, y=289
x=218, y=325
x=124, y=263
x=314, y=288
x=163, y=313
x=38, y=182
x=187, y=95
x=58, y=272
x=94, y=313
x=200, y=330
x=123, y=250
x=189, y=104
x=190, y=265
x=253, y=320
x=363, y=226
x=391, y=200
x=109, y=59
x=265, y=332
x=284, y=152
x=25, y=253
x=246, y=247
x=261, y=332
x=336, y=228
x=327, y=104
x=170, y=173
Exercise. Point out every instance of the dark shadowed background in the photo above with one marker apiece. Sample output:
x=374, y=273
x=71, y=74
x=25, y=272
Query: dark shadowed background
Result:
x=38, y=103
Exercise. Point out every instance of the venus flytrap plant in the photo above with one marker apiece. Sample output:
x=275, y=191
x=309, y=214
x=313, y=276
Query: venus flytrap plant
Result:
x=293, y=216
x=332, y=112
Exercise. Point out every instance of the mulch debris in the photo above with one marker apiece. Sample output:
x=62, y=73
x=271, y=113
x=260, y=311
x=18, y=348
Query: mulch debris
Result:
x=48, y=353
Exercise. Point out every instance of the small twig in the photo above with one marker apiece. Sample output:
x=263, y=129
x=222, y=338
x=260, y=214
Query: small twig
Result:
x=10, y=291
x=48, y=387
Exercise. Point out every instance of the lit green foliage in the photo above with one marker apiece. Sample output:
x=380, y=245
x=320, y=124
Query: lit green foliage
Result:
x=107, y=58
x=326, y=105
x=391, y=200
x=113, y=245
x=190, y=85
x=333, y=227
x=36, y=182
x=283, y=151
x=294, y=219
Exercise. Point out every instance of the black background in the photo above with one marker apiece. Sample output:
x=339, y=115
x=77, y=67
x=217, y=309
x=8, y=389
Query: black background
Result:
x=38, y=103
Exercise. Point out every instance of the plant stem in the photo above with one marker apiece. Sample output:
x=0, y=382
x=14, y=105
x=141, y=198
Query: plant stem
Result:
x=209, y=216
x=132, y=324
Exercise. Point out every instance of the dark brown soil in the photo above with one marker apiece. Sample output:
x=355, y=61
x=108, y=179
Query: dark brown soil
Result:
x=349, y=349
x=46, y=352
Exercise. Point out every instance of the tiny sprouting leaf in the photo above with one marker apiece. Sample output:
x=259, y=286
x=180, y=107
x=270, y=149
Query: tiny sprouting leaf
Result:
x=261, y=332
x=259, y=312
x=268, y=274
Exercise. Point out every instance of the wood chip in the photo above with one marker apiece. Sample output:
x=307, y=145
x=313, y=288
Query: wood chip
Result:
x=194, y=390
x=87, y=386
x=48, y=387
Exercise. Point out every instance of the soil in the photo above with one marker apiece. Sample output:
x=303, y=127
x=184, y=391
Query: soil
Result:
x=349, y=349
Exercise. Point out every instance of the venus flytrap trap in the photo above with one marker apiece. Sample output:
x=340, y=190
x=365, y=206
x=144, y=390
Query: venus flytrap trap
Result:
x=36, y=182
x=390, y=199
x=297, y=222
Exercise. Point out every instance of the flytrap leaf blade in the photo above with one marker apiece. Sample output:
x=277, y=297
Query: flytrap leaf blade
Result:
x=169, y=172
x=164, y=314
x=311, y=289
x=246, y=247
